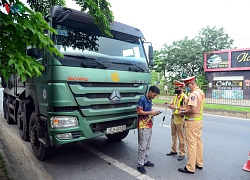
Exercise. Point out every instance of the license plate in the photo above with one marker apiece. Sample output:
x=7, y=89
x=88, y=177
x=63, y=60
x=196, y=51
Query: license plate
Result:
x=115, y=129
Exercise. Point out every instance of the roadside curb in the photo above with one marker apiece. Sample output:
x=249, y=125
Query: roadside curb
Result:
x=10, y=173
x=245, y=115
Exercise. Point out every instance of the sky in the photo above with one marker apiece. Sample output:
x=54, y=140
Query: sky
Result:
x=165, y=21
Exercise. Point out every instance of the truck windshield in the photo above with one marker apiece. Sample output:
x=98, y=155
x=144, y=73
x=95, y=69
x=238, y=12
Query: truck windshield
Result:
x=85, y=46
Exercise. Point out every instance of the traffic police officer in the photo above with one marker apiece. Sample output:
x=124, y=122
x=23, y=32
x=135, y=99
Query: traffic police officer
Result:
x=193, y=126
x=177, y=122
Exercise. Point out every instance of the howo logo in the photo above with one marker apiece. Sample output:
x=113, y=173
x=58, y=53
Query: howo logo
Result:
x=115, y=96
x=78, y=79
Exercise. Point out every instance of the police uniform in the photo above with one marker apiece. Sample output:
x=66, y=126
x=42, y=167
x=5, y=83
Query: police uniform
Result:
x=193, y=128
x=177, y=123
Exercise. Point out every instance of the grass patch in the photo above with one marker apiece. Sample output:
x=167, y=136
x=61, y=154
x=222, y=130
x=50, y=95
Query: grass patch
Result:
x=214, y=106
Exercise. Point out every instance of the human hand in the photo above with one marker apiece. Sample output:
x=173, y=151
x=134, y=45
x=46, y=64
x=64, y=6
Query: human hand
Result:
x=179, y=113
x=173, y=107
x=167, y=104
x=160, y=112
x=155, y=113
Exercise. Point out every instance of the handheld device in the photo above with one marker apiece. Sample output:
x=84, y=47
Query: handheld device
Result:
x=163, y=119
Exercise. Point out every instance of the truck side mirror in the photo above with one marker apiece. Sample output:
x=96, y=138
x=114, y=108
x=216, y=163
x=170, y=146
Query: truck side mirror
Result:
x=151, y=63
x=151, y=55
x=33, y=52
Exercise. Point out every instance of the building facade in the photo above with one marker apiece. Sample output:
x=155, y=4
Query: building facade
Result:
x=228, y=74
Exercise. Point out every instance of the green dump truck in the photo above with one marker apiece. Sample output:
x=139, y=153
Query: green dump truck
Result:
x=91, y=91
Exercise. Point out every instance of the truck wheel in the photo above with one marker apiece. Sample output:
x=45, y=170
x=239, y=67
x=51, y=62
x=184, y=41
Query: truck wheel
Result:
x=39, y=149
x=117, y=136
x=7, y=110
x=22, y=124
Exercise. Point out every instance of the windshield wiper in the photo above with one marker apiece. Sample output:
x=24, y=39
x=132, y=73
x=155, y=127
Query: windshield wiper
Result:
x=86, y=64
x=132, y=67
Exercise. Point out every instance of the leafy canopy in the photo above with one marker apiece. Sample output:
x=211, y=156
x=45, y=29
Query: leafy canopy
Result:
x=26, y=28
x=187, y=55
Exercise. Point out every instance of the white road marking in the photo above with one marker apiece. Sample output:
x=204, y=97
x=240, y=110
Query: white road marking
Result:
x=165, y=125
x=116, y=163
x=231, y=117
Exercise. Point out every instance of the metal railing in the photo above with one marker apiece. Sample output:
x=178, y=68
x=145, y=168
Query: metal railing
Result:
x=229, y=95
x=235, y=96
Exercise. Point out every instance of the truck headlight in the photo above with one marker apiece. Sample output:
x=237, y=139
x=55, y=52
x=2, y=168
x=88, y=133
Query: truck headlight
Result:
x=63, y=121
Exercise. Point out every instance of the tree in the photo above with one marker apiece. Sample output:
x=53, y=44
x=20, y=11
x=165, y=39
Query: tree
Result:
x=162, y=65
x=213, y=39
x=43, y=6
x=99, y=9
x=182, y=56
x=19, y=30
x=22, y=26
x=187, y=55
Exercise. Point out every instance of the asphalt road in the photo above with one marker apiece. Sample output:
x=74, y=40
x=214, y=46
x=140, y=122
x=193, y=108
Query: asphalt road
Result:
x=226, y=145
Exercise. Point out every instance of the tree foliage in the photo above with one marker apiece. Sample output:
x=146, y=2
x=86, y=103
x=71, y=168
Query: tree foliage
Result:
x=43, y=6
x=99, y=9
x=213, y=39
x=187, y=55
x=19, y=30
x=26, y=28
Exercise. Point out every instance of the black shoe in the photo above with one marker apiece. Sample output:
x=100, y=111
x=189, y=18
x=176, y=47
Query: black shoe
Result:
x=149, y=164
x=171, y=153
x=184, y=170
x=198, y=167
x=141, y=169
x=180, y=158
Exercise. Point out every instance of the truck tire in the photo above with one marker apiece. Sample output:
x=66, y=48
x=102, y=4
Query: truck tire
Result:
x=40, y=150
x=7, y=110
x=22, y=124
x=117, y=136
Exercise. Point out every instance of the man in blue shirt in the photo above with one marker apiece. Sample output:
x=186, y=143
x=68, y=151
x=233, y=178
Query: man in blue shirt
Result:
x=145, y=124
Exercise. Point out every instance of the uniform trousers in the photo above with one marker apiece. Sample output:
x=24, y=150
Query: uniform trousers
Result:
x=144, y=139
x=177, y=132
x=193, y=131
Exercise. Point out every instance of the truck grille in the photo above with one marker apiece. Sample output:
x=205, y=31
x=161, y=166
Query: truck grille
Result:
x=106, y=106
x=94, y=98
